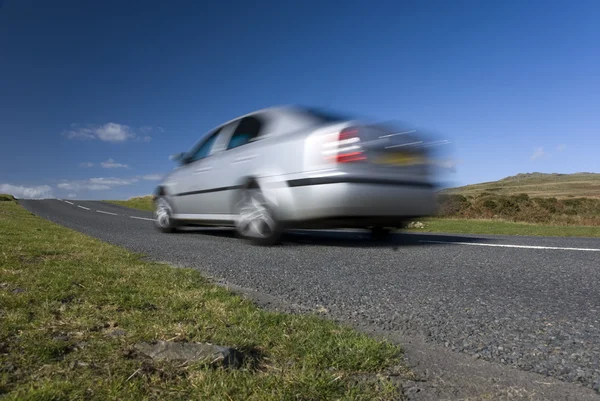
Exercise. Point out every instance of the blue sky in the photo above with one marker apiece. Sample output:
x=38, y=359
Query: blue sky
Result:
x=95, y=95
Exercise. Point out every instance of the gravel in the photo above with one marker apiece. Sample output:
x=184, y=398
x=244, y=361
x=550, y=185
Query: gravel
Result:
x=532, y=309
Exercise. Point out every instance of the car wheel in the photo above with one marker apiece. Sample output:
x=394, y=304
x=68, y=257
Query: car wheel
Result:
x=256, y=220
x=380, y=233
x=163, y=213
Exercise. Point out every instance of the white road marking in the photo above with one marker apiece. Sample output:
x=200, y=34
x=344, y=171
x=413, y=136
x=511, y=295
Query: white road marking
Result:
x=70, y=203
x=102, y=211
x=514, y=246
x=141, y=218
x=83, y=207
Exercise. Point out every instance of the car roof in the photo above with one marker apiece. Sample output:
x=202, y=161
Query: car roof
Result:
x=259, y=111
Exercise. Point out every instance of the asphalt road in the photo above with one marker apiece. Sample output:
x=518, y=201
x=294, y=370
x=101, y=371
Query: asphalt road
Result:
x=529, y=303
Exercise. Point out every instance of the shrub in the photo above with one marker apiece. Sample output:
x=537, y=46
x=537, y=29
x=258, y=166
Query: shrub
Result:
x=489, y=204
x=520, y=207
x=521, y=198
x=452, y=205
x=550, y=204
x=507, y=206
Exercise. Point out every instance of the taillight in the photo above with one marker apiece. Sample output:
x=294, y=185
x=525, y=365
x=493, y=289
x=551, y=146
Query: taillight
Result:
x=344, y=147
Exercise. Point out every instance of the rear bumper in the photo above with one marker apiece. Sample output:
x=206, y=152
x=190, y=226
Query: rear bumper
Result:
x=358, y=201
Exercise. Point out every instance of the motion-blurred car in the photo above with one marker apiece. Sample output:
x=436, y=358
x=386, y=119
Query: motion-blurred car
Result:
x=293, y=167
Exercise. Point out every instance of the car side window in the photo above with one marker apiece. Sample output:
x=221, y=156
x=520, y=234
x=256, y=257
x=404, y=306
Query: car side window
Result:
x=204, y=149
x=247, y=130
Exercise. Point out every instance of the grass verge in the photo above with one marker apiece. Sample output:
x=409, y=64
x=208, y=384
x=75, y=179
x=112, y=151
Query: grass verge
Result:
x=472, y=226
x=72, y=308
x=140, y=202
x=521, y=208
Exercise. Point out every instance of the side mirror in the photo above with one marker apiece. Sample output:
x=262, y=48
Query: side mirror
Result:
x=177, y=157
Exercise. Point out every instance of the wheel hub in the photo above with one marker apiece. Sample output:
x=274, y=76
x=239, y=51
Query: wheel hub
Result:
x=254, y=218
x=163, y=214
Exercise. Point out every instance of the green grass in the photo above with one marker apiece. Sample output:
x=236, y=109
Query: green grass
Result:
x=472, y=226
x=140, y=202
x=6, y=198
x=62, y=293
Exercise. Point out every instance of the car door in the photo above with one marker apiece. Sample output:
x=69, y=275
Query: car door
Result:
x=198, y=182
x=241, y=156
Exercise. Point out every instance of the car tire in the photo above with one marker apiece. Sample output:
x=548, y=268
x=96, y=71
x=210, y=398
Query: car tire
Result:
x=163, y=213
x=380, y=233
x=256, y=220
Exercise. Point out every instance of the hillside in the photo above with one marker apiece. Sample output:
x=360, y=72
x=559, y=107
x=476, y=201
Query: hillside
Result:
x=560, y=186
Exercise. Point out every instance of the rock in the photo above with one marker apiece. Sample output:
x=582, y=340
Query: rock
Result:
x=412, y=390
x=78, y=364
x=191, y=352
x=116, y=333
x=415, y=224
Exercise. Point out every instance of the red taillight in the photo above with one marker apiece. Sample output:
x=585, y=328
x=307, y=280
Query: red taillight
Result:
x=350, y=157
x=346, y=147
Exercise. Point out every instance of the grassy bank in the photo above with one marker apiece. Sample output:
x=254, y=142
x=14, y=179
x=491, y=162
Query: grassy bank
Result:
x=140, y=202
x=72, y=308
x=522, y=208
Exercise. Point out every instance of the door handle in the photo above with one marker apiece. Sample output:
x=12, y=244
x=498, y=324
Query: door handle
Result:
x=202, y=169
x=244, y=158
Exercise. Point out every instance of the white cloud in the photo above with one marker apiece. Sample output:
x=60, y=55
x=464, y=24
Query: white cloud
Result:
x=561, y=147
x=112, y=181
x=86, y=164
x=110, y=163
x=448, y=164
x=79, y=133
x=19, y=191
x=113, y=132
x=68, y=186
x=71, y=196
x=95, y=184
x=538, y=154
x=109, y=132
x=152, y=177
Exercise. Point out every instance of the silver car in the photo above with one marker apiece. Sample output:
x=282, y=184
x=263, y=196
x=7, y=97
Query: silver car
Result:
x=293, y=167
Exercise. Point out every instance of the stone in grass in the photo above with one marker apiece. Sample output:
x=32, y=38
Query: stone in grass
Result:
x=191, y=352
x=116, y=333
x=415, y=224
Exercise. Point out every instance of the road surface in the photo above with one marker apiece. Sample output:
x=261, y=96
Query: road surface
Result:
x=528, y=305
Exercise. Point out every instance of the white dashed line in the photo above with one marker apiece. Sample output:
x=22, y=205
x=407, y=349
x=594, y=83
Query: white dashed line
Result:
x=102, y=211
x=83, y=207
x=70, y=203
x=141, y=218
x=514, y=246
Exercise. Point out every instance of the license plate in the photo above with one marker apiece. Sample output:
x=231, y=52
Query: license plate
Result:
x=401, y=159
